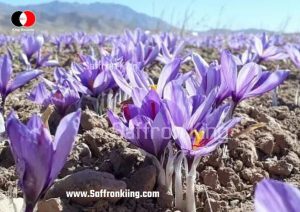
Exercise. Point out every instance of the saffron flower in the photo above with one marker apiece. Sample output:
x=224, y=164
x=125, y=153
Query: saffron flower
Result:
x=31, y=44
x=276, y=196
x=250, y=81
x=145, y=126
x=95, y=74
x=139, y=83
x=198, y=129
x=206, y=78
x=64, y=78
x=246, y=57
x=294, y=54
x=135, y=36
x=8, y=85
x=64, y=98
x=45, y=61
x=266, y=50
x=39, y=158
x=168, y=55
x=170, y=47
x=143, y=54
x=32, y=49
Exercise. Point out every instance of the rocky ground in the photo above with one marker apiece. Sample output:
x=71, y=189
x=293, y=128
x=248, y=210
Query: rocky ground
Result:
x=264, y=144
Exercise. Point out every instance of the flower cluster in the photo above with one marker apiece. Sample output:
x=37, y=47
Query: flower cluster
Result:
x=176, y=117
x=189, y=110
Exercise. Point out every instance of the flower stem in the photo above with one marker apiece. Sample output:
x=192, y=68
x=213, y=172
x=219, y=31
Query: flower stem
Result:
x=179, y=203
x=231, y=110
x=190, y=184
x=161, y=172
x=170, y=168
x=29, y=207
x=190, y=193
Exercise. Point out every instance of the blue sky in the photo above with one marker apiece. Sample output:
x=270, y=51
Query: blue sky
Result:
x=278, y=15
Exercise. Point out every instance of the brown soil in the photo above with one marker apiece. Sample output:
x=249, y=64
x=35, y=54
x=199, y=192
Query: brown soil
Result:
x=271, y=150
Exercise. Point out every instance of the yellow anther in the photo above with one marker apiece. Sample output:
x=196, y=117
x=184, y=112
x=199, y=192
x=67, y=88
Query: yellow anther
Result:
x=153, y=87
x=198, y=138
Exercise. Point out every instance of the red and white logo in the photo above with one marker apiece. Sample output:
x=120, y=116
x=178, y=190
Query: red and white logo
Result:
x=23, y=19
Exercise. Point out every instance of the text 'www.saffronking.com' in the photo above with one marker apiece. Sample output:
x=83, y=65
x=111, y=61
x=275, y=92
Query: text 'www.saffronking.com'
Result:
x=103, y=193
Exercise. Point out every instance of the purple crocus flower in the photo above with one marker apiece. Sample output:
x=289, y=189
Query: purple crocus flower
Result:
x=187, y=111
x=250, y=81
x=294, y=54
x=147, y=126
x=197, y=128
x=31, y=44
x=45, y=61
x=207, y=78
x=95, y=74
x=98, y=39
x=67, y=40
x=81, y=39
x=62, y=97
x=8, y=85
x=201, y=141
x=56, y=40
x=244, y=58
x=209, y=134
x=65, y=79
x=266, y=50
x=167, y=55
x=135, y=36
x=170, y=47
x=144, y=54
x=39, y=158
x=139, y=84
x=276, y=196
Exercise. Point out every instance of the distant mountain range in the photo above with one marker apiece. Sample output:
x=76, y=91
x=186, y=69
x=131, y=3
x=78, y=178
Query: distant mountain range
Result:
x=106, y=18
x=95, y=17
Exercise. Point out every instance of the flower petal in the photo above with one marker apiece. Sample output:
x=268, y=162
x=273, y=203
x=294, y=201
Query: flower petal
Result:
x=258, y=45
x=6, y=71
x=202, y=110
x=102, y=82
x=40, y=95
x=182, y=138
x=23, y=78
x=178, y=103
x=138, y=95
x=151, y=104
x=169, y=72
x=247, y=78
x=201, y=66
x=276, y=196
x=141, y=125
x=63, y=141
x=136, y=77
x=121, y=81
x=160, y=132
x=273, y=80
x=229, y=70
